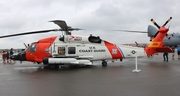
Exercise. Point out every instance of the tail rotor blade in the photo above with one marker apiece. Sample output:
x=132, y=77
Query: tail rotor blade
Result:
x=155, y=23
x=167, y=36
x=167, y=21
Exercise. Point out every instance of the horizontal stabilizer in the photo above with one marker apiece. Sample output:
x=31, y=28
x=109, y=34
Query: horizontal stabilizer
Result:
x=152, y=50
x=164, y=49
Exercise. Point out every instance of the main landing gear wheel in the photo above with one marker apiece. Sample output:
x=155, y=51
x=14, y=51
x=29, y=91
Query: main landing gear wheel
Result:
x=104, y=63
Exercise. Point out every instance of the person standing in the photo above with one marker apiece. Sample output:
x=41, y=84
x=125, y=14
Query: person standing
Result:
x=178, y=51
x=7, y=56
x=4, y=56
x=173, y=49
x=11, y=53
x=165, y=56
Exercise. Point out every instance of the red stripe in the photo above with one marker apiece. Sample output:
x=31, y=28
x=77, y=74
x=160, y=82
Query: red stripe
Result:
x=113, y=50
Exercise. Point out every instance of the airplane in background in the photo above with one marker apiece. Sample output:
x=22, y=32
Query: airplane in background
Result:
x=169, y=40
x=73, y=50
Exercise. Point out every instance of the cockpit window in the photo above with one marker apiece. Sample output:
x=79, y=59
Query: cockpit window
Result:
x=32, y=48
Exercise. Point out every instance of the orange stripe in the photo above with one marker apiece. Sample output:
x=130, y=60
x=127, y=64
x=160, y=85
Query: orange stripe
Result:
x=113, y=50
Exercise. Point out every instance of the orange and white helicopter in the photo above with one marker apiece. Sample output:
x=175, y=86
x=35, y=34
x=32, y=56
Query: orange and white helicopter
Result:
x=83, y=50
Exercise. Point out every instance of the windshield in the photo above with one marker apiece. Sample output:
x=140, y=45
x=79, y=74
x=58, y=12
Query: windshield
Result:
x=32, y=47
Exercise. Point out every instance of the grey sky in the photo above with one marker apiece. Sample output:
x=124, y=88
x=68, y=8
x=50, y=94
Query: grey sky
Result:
x=98, y=17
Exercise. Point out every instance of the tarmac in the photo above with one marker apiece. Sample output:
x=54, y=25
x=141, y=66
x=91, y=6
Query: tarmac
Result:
x=156, y=78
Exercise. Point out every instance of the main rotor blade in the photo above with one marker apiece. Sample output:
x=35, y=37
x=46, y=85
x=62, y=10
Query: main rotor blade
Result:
x=132, y=31
x=60, y=23
x=33, y=32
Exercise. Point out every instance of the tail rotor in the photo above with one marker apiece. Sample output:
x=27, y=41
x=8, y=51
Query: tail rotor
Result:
x=152, y=32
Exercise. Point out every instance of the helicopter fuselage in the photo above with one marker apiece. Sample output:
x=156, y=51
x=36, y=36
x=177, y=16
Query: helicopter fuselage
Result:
x=72, y=49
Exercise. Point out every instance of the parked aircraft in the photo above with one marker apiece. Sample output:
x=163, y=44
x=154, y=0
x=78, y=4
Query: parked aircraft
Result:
x=76, y=50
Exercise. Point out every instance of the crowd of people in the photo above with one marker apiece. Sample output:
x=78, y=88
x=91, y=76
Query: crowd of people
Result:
x=6, y=56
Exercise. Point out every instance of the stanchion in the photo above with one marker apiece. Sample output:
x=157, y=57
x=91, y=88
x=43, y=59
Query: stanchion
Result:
x=136, y=66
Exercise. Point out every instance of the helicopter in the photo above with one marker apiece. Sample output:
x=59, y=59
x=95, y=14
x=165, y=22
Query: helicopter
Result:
x=68, y=49
x=169, y=40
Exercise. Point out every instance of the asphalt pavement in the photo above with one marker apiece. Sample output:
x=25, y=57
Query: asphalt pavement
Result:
x=156, y=78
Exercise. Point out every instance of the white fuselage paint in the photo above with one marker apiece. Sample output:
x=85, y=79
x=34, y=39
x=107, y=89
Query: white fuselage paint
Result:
x=92, y=51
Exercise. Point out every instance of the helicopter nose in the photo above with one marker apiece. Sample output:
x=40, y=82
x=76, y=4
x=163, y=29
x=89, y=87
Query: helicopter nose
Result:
x=21, y=56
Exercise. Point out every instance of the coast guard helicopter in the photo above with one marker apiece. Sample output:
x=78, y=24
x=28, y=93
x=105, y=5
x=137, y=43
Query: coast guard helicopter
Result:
x=71, y=49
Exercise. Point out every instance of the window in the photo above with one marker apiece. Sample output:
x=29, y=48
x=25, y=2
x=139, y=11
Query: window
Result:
x=32, y=48
x=71, y=50
x=61, y=50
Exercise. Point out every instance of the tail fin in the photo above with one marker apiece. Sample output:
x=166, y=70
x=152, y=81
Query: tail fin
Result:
x=157, y=44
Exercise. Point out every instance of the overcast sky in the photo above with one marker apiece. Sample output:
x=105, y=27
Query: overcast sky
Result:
x=98, y=17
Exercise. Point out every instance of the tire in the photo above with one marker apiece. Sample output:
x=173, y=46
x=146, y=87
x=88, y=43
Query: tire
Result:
x=53, y=66
x=104, y=63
